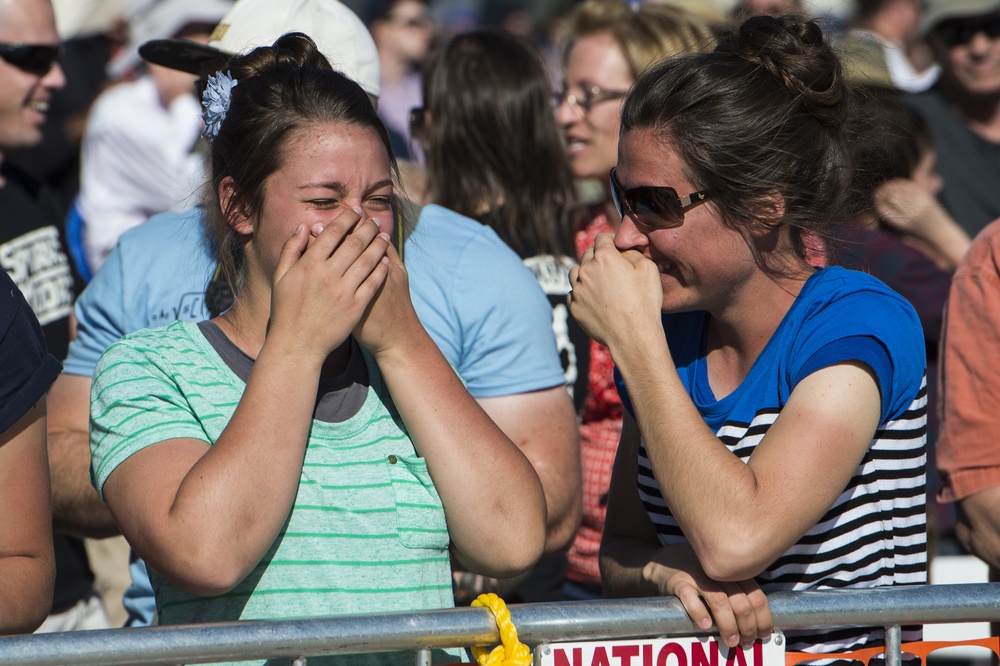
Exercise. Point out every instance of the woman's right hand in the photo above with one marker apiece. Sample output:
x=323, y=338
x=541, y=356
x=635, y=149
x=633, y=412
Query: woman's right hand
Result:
x=325, y=280
x=739, y=608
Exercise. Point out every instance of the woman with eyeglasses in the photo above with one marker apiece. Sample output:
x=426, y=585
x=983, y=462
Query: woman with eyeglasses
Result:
x=606, y=46
x=776, y=413
x=494, y=154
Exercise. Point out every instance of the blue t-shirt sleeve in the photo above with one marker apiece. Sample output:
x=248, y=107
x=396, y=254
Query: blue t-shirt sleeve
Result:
x=28, y=368
x=509, y=346
x=864, y=349
x=482, y=306
x=864, y=321
x=100, y=317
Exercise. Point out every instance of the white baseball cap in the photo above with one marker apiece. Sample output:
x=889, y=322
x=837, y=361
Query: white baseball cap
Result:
x=337, y=31
x=163, y=19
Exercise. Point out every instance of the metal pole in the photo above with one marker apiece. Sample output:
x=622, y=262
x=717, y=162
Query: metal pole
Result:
x=424, y=657
x=893, y=645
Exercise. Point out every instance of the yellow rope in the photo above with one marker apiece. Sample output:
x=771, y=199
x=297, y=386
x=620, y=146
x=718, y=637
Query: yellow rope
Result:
x=512, y=652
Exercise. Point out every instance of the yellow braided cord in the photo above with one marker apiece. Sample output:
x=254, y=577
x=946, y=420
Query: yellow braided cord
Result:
x=512, y=652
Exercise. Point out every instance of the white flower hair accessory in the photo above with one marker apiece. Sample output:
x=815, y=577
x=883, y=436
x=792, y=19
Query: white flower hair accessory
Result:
x=216, y=99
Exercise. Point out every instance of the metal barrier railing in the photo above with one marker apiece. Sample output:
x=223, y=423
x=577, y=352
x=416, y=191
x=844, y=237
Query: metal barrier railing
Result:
x=536, y=624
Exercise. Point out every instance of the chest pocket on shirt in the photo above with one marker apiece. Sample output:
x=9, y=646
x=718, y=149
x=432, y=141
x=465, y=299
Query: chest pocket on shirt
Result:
x=419, y=512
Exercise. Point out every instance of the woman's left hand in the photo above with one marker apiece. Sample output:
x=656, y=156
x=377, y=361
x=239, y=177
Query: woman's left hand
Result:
x=739, y=608
x=615, y=295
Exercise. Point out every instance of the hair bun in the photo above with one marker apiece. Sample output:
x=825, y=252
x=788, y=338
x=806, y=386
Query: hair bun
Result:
x=293, y=50
x=792, y=49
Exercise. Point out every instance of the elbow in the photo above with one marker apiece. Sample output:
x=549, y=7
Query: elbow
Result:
x=523, y=552
x=733, y=558
x=204, y=572
x=504, y=553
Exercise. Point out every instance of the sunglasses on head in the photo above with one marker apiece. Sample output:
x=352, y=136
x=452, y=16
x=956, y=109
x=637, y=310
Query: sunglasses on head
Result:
x=35, y=59
x=955, y=33
x=653, y=208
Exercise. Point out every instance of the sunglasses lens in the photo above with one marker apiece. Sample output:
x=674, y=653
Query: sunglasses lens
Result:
x=37, y=60
x=656, y=207
x=956, y=34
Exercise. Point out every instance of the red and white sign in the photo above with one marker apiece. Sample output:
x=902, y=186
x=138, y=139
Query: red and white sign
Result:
x=687, y=651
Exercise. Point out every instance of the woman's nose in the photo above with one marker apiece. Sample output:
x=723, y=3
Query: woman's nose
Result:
x=629, y=237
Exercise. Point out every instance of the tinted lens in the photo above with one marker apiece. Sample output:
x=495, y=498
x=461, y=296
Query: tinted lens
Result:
x=954, y=34
x=651, y=207
x=655, y=206
x=33, y=59
x=993, y=28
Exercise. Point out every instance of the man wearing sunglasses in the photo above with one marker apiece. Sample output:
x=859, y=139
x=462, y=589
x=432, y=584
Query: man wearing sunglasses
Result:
x=963, y=108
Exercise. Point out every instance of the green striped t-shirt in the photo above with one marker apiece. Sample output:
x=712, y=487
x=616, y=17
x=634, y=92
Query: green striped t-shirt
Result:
x=367, y=531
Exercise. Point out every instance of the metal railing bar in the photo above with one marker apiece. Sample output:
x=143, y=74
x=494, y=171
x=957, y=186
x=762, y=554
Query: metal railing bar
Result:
x=536, y=623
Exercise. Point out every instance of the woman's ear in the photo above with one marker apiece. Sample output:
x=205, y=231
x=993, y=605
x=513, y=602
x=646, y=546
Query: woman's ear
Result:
x=235, y=215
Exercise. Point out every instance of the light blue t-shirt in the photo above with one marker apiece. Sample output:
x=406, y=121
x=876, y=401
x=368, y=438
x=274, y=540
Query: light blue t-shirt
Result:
x=472, y=293
x=477, y=300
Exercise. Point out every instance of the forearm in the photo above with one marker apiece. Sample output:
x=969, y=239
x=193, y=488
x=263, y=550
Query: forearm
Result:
x=543, y=425
x=76, y=507
x=710, y=491
x=563, y=502
x=978, y=524
x=26, y=591
x=623, y=561
x=949, y=241
x=482, y=478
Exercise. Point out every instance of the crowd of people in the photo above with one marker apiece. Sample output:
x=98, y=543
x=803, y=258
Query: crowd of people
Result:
x=351, y=321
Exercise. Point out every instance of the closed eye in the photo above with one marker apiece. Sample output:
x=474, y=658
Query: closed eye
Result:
x=379, y=202
x=323, y=203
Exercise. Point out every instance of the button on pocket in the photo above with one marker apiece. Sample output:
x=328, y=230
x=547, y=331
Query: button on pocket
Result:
x=419, y=513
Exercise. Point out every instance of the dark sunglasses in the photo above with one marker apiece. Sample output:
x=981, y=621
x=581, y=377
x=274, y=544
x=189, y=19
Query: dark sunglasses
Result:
x=35, y=59
x=653, y=208
x=956, y=33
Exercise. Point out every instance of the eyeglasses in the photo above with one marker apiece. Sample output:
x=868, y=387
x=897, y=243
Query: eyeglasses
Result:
x=418, y=123
x=653, y=208
x=35, y=59
x=586, y=101
x=956, y=33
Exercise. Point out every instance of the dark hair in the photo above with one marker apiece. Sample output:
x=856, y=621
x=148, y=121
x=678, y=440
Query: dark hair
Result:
x=280, y=88
x=892, y=139
x=494, y=151
x=765, y=112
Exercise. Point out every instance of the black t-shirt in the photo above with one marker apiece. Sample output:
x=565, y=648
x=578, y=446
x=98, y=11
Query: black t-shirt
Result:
x=33, y=255
x=969, y=164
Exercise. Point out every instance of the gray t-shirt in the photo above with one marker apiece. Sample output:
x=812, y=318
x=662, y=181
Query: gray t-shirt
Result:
x=968, y=163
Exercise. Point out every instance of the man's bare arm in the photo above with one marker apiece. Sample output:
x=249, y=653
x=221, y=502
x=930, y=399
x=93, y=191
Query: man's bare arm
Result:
x=543, y=425
x=978, y=524
x=76, y=508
